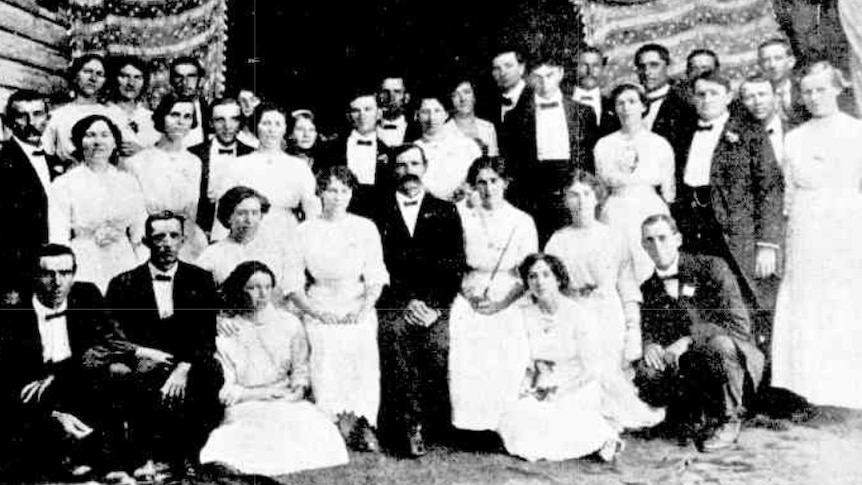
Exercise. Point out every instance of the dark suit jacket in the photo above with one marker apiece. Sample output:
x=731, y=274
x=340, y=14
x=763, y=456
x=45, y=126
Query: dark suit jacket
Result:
x=675, y=116
x=609, y=121
x=747, y=190
x=206, y=207
x=94, y=340
x=493, y=106
x=24, y=206
x=367, y=197
x=427, y=266
x=189, y=335
x=710, y=304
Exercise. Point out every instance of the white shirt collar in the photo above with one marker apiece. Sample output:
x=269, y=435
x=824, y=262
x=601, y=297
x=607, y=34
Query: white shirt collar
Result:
x=401, y=198
x=218, y=144
x=515, y=91
x=156, y=271
x=595, y=93
x=774, y=124
x=401, y=120
x=716, y=123
x=671, y=270
x=659, y=93
x=556, y=97
x=355, y=135
x=41, y=310
x=28, y=148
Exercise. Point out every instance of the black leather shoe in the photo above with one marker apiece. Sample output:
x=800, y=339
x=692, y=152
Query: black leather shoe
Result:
x=415, y=442
x=722, y=437
x=363, y=437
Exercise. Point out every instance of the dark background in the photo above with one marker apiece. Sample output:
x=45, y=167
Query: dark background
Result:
x=313, y=53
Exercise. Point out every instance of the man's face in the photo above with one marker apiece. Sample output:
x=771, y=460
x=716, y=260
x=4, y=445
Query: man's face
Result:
x=589, y=69
x=409, y=163
x=363, y=114
x=699, y=64
x=28, y=119
x=225, y=122
x=165, y=241
x=54, y=279
x=711, y=99
x=432, y=116
x=393, y=96
x=661, y=243
x=185, y=80
x=652, y=70
x=507, y=71
x=819, y=93
x=547, y=80
x=759, y=99
x=776, y=62
x=130, y=82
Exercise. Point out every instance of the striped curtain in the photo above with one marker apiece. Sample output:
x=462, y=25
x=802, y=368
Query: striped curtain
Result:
x=851, y=20
x=732, y=28
x=154, y=30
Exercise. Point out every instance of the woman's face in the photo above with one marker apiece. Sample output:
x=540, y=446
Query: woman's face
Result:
x=432, y=116
x=542, y=282
x=179, y=120
x=130, y=82
x=271, y=129
x=98, y=143
x=304, y=133
x=245, y=219
x=464, y=99
x=491, y=187
x=819, y=94
x=336, y=197
x=581, y=200
x=90, y=78
x=258, y=289
x=629, y=108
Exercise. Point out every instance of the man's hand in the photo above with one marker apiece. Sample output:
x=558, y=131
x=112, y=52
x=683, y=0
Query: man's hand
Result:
x=419, y=314
x=73, y=426
x=766, y=262
x=155, y=355
x=227, y=327
x=654, y=356
x=673, y=351
x=174, y=389
x=33, y=391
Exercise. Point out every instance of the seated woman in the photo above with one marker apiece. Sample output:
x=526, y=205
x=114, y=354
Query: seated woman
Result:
x=269, y=427
x=557, y=415
x=487, y=350
x=241, y=209
x=599, y=262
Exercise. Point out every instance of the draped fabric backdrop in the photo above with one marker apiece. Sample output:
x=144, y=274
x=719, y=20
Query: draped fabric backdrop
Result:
x=732, y=28
x=851, y=20
x=154, y=30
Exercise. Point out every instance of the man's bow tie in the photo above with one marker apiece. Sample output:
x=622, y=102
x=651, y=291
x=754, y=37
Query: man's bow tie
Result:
x=389, y=126
x=701, y=127
x=554, y=104
x=674, y=276
x=586, y=99
x=505, y=101
x=225, y=151
x=38, y=153
x=52, y=316
x=409, y=203
x=364, y=143
x=162, y=277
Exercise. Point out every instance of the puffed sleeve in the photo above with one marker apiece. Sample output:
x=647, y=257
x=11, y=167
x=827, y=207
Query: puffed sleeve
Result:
x=60, y=212
x=374, y=271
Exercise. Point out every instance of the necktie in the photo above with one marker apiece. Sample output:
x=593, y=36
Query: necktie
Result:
x=363, y=143
x=505, y=101
x=52, y=316
x=555, y=104
x=225, y=151
x=162, y=277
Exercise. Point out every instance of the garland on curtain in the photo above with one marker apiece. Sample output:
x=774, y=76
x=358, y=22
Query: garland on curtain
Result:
x=732, y=28
x=154, y=30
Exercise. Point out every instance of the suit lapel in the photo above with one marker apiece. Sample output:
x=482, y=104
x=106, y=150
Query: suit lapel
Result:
x=144, y=281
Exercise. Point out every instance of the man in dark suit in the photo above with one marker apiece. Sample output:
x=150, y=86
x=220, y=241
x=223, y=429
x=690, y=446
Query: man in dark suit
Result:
x=507, y=69
x=396, y=125
x=167, y=309
x=364, y=152
x=423, y=248
x=216, y=153
x=187, y=79
x=548, y=136
x=58, y=356
x=729, y=190
x=588, y=92
x=668, y=111
x=25, y=174
x=699, y=358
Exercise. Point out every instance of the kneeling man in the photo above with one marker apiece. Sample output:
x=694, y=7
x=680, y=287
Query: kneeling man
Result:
x=700, y=358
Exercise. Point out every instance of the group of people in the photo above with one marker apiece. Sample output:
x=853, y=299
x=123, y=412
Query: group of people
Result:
x=572, y=267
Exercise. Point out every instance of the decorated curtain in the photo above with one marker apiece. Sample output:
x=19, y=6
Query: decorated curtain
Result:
x=732, y=28
x=851, y=20
x=154, y=30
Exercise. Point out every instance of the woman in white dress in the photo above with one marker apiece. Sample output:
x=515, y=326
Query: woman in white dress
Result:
x=242, y=209
x=269, y=427
x=463, y=118
x=558, y=414
x=817, y=338
x=87, y=80
x=634, y=162
x=128, y=82
x=343, y=255
x=487, y=350
x=286, y=181
x=169, y=175
x=599, y=262
x=96, y=209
